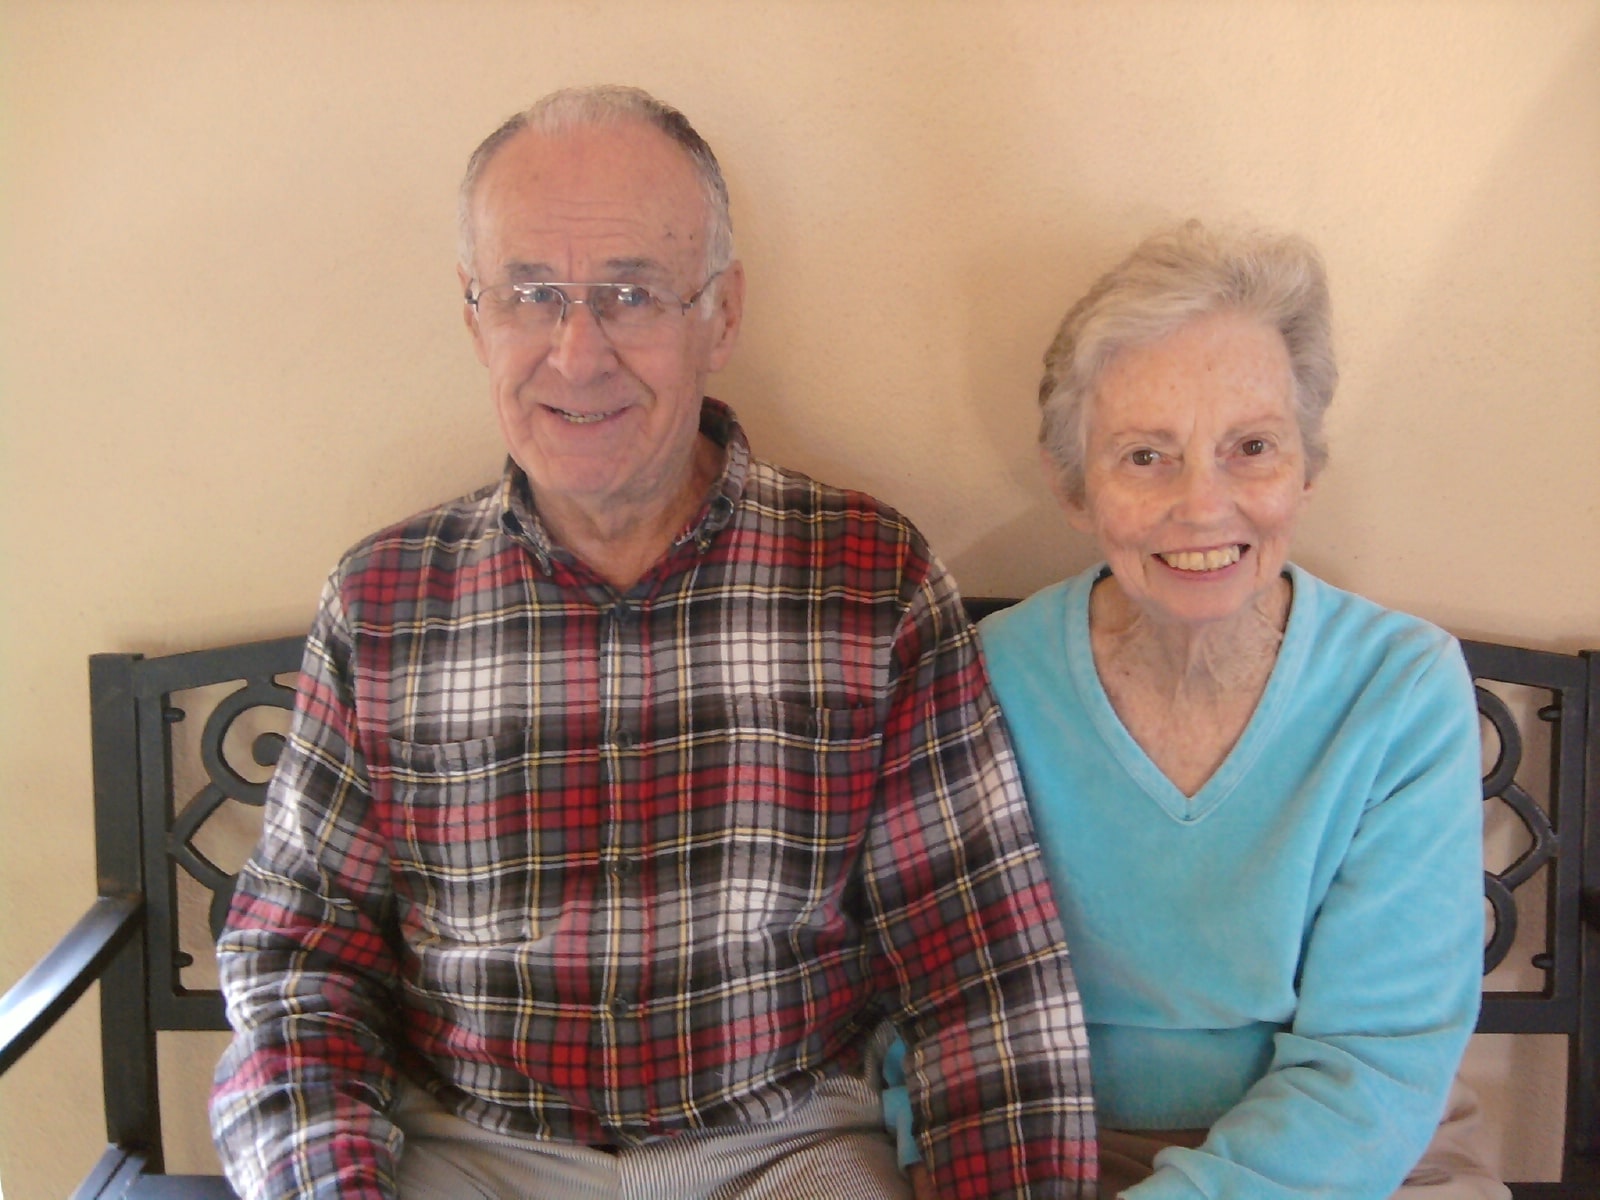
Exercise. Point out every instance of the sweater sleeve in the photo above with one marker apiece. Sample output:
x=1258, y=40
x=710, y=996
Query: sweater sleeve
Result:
x=1389, y=983
x=300, y=1095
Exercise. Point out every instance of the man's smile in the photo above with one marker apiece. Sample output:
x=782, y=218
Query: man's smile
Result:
x=582, y=418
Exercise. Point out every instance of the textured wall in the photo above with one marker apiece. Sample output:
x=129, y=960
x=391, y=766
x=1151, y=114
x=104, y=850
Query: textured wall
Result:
x=230, y=338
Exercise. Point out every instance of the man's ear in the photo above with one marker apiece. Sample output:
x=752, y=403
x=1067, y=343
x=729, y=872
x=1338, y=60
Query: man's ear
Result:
x=729, y=314
x=470, y=316
x=1077, y=510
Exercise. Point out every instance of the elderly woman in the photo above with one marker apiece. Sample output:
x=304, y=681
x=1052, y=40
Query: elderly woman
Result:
x=1258, y=794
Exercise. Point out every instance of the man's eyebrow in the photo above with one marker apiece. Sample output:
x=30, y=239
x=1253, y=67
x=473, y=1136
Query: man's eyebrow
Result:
x=615, y=269
x=635, y=266
x=521, y=272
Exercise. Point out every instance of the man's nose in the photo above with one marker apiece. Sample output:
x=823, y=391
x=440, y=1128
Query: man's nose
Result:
x=579, y=348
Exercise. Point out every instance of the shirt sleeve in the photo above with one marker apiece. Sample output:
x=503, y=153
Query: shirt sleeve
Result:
x=970, y=943
x=307, y=972
x=1389, y=985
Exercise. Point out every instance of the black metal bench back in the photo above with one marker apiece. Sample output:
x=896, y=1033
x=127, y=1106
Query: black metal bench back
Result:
x=144, y=835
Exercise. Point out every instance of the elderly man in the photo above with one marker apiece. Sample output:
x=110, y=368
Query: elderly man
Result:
x=629, y=799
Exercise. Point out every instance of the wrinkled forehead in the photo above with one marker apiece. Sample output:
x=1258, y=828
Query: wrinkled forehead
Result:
x=1227, y=361
x=582, y=198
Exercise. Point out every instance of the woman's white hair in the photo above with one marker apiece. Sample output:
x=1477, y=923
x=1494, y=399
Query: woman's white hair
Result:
x=1175, y=277
x=605, y=104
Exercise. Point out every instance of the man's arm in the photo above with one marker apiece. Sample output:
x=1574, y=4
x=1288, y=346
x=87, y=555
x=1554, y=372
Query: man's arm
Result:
x=970, y=943
x=297, y=1110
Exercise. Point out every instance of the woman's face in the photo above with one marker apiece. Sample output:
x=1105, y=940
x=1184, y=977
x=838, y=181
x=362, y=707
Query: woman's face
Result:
x=1194, y=471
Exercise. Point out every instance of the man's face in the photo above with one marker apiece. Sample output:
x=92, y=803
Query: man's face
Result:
x=604, y=428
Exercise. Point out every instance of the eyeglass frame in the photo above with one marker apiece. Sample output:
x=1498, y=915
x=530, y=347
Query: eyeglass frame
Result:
x=664, y=298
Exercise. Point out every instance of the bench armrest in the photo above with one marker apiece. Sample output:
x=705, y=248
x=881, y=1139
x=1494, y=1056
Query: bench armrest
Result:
x=36, y=1001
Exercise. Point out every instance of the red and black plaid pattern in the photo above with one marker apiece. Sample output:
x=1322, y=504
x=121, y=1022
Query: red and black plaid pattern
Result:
x=609, y=867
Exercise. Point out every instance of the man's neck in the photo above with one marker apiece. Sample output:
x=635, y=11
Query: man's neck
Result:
x=620, y=543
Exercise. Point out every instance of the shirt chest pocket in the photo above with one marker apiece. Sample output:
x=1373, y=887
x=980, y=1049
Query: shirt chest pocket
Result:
x=464, y=843
x=801, y=786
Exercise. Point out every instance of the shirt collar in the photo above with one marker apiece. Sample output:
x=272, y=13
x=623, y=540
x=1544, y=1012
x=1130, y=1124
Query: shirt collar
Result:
x=519, y=515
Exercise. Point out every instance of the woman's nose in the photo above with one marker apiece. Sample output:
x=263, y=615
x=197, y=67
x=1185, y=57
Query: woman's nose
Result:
x=1203, y=493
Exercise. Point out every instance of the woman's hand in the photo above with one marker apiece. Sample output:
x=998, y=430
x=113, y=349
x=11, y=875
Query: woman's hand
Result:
x=921, y=1182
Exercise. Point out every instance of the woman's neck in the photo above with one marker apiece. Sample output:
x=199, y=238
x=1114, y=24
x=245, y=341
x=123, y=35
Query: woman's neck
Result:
x=1214, y=659
x=1185, y=692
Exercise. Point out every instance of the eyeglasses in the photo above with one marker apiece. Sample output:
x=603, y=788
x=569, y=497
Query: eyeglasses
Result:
x=621, y=308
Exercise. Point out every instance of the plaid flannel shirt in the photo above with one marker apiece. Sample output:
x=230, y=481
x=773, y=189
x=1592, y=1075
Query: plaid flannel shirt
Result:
x=609, y=867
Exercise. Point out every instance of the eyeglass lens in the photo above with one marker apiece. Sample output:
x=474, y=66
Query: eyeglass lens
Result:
x=545, y=305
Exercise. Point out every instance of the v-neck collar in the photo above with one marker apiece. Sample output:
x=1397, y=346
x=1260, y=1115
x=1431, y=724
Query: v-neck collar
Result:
x=1258, y=732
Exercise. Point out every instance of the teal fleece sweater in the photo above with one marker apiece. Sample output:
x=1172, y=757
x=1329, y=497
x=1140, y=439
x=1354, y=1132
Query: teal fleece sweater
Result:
x=1291, y=957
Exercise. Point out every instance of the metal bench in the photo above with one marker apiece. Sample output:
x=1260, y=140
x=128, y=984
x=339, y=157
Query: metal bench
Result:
x=149, y=826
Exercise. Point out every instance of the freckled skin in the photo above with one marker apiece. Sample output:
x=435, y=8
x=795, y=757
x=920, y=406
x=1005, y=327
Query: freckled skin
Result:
x=1192, y=445
x=608, y=203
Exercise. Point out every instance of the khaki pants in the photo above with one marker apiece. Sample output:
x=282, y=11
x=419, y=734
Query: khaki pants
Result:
x=1451, y=1167
x=833, y=1148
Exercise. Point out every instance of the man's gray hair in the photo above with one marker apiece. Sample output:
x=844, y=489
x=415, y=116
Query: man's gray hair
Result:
x=605, y=104
x=1171, y=279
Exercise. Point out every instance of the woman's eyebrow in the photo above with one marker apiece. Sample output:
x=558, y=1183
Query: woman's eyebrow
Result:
x=1138, y=431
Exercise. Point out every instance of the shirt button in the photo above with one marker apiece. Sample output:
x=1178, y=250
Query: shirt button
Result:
x=619, y=1007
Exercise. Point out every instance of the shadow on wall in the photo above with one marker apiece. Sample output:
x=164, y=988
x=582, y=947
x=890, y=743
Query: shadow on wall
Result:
x=1018, y=557
x=1497, y=447
x=1501, y=507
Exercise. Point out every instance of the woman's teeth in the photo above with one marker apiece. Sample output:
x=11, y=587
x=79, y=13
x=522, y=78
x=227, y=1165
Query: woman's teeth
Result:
x=1202, y=560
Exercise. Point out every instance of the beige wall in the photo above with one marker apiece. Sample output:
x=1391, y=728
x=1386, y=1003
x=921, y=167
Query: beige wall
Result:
x=231, y=340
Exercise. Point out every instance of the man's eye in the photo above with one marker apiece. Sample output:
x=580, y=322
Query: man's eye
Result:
x=536, y=295
x=1144, y=458
x=631, y=295
x=1253, y=447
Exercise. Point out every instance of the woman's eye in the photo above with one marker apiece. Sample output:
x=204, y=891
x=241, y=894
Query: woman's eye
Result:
x=1252, y=447
x=1143, y=458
